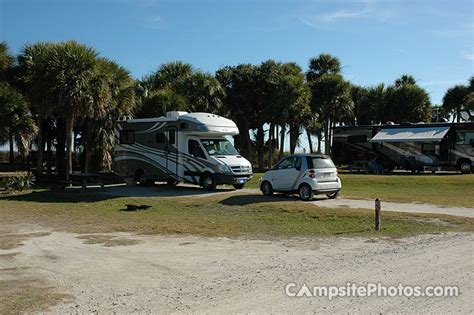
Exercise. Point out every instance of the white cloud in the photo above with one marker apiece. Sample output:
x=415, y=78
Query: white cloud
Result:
x=343, y=15
x=358, y=9
x=469, y=55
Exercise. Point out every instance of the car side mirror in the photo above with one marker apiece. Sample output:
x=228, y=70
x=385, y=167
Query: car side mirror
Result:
x=298, y=168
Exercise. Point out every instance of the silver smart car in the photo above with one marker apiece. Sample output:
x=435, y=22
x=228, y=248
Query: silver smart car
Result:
x=305, y=174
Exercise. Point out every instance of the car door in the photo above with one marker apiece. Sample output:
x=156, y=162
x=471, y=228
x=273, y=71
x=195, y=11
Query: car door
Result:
x=285, y=173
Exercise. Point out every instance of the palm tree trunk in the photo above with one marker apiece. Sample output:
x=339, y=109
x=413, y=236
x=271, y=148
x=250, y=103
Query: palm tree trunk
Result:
x=69, y=129
x=40, y=144
x=260, y=147
x=319, y=141
x=270, y=145
x=282, y=141
x=310, y=142
x=12, y=150
x=326, y=134
x=49, y=152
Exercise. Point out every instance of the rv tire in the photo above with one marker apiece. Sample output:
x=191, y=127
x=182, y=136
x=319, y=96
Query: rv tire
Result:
x=171, y=182
x=465, y=166
x=208, y=182
x=140, y=177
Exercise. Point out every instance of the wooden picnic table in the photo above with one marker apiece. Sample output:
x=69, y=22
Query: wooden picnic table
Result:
x=82, y=179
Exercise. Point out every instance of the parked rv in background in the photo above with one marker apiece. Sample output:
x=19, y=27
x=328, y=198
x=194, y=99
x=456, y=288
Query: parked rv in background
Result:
x=416, y=147
x=181, y=147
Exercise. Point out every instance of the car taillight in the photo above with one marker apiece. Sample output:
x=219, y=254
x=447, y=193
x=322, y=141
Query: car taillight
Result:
x=311, y=174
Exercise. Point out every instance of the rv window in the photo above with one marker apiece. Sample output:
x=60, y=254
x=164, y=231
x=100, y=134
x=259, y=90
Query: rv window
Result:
x=127, y=136
x=171, y=136
x=160, y=138
x=428, y=148
x=357, y=139
x=465, y=138
x=195, y=149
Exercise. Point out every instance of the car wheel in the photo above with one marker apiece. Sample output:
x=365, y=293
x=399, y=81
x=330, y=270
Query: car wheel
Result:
x=239, y=186
x=266, y=188
x=465, y=167
x=306, y=192
x=208, y=182
x=333, y=195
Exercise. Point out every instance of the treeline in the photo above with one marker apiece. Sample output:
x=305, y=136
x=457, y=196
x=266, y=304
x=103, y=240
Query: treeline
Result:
x=64, y=98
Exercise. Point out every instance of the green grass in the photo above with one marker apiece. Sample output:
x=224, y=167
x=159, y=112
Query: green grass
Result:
x=445, y=190
x=233, y=215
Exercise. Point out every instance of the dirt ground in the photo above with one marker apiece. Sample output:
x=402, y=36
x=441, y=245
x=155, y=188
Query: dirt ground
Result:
x=158, y=274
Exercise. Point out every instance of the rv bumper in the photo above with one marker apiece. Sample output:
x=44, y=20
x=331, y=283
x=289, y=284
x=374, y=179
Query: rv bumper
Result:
x=231, y=179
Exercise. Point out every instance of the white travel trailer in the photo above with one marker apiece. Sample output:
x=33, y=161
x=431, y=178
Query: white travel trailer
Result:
x=181, y=147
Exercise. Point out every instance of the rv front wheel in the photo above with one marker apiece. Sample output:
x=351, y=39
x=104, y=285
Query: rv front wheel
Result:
x=208, y=182
x=465, y=167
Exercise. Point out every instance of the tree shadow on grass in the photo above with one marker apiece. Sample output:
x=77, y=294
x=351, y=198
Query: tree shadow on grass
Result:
x=243, y=200
x=58, y=196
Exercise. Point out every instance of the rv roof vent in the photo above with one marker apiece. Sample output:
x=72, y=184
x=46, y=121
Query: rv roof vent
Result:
x=175, y=114
x=390, y=122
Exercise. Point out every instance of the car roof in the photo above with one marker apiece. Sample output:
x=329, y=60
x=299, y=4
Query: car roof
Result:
x=311, y=155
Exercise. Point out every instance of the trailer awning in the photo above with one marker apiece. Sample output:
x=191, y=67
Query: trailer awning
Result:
x=411, y=134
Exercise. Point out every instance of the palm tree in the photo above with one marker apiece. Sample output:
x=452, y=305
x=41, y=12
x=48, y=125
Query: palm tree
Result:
x=331, y=99
x=15, y=121
x=36, y=78
x=458, y=99
x=203, y=93
x=405, y=79
x=323, y=64
x=6, y=59
x=73, y=68
x=113, y=92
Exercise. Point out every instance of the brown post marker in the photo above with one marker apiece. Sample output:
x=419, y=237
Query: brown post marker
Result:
x=378, y=209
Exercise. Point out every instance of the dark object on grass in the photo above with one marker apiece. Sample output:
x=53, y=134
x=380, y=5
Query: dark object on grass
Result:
x=137, y=207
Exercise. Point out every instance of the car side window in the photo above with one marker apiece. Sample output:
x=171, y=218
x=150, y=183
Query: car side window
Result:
x=298, y=163
x=195, y=149
x=287, y=163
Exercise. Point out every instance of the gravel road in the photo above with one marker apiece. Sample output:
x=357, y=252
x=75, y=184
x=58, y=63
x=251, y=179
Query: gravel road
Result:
x=158, y=274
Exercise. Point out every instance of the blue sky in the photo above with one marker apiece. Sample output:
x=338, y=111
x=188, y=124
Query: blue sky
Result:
x=377, y=41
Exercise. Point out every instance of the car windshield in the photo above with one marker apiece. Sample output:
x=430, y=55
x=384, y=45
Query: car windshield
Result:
x=320, y=162
x=219, y=147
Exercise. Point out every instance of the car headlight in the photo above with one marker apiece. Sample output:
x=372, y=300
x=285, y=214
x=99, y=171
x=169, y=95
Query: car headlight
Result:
x=224, y=169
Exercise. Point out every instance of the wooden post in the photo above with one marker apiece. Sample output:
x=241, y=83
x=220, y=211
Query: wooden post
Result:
x=378, y=209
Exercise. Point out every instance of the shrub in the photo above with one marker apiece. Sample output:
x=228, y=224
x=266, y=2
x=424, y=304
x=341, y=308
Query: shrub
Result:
x=18, y=182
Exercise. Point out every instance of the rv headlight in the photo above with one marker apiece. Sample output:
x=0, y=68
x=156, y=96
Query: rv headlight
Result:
x=224, y=169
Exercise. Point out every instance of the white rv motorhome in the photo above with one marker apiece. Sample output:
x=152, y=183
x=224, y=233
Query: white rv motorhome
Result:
x=181, y=147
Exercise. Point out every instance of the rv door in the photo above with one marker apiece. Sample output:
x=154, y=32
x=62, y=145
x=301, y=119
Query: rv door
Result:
x=171, y=150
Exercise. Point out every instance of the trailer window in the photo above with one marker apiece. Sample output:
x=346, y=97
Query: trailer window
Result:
x=127, y=136
x=160, y=138
x=171, y=136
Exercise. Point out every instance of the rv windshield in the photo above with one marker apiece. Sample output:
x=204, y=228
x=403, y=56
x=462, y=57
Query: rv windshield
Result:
x=219, y=147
